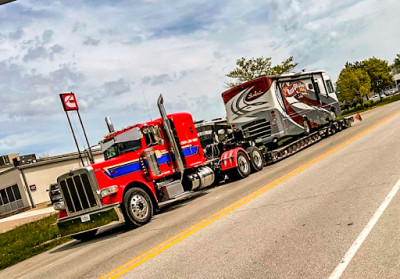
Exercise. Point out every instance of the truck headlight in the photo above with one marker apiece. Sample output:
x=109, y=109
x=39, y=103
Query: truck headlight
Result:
x=108, y=191
x=59, y=205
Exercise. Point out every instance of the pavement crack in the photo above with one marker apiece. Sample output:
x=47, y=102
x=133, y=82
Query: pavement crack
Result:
x=310, y=197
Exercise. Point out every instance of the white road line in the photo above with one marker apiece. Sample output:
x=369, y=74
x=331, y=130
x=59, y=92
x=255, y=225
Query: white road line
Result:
x=364, y=234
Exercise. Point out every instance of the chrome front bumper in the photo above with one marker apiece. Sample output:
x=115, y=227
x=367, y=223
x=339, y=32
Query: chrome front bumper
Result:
x=90, y=221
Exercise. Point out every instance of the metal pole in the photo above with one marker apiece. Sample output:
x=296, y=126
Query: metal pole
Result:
x=73, y=134
x=87, y=141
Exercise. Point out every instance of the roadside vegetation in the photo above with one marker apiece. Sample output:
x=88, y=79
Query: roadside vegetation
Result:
x=29, y=240
x=367, y=105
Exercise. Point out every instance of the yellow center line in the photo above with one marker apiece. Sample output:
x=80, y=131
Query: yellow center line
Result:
x=212, y=218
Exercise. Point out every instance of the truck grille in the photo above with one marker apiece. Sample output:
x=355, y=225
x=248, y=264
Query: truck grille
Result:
x=258, y=129
x=78, y=193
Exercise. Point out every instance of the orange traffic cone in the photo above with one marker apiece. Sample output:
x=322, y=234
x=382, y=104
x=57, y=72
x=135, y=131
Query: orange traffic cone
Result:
x=358, y=117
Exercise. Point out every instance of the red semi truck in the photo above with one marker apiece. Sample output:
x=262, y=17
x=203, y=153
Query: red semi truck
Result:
x=146, y=165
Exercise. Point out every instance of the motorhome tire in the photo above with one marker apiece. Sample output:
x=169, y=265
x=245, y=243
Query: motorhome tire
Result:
x=137, y=207
x=307, y=127
x=256, y=158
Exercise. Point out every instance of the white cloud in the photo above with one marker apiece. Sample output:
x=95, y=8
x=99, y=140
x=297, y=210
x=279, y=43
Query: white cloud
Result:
x=118, y=57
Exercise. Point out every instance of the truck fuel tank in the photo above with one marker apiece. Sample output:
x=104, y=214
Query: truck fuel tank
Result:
x=202, y=178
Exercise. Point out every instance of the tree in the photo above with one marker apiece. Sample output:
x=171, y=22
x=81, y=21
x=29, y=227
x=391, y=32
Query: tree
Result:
x=252, y=68
x=356, y=64
x=353, y=84
x=396, y=65
x=379, y=73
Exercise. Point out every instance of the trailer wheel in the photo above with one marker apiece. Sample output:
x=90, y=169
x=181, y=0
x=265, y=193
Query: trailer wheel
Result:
x=85, y=236
x=137, y=207
x=243, y=168
x=256, y=158
x=307, y=127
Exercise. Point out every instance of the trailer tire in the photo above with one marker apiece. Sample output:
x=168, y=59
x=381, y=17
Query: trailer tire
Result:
x=85, y=236
x=307, y=127
x=256, y=159
x=137, y=207
x=243, y=168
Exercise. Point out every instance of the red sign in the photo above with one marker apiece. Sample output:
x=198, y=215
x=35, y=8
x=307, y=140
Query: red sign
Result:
x=69, y=101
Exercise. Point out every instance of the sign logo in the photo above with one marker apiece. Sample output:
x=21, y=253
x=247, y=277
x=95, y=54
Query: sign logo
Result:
x=293, y=89
x=252, y=95
x=69, y=101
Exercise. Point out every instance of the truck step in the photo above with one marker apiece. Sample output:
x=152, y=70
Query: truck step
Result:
x=183, y=196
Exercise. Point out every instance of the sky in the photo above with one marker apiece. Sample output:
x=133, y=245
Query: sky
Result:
x=117, y=56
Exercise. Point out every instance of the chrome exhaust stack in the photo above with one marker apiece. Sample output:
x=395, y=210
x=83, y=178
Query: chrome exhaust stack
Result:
x=110, y=125
x=170, y=134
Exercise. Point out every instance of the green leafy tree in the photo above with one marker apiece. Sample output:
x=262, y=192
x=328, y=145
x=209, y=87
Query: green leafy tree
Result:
x=396, y=65
x=249, y=69
x=353, y=84
x=379, y=73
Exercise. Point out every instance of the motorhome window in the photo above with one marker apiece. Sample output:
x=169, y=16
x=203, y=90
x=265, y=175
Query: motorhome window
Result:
x=330, y=86
x=279, y=97
x=122, y=148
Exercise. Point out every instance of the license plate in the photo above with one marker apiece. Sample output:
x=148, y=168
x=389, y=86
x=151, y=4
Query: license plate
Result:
x=85, y=218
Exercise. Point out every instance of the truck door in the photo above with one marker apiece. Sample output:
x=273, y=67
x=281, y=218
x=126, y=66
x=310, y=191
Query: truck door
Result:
x=324, y=90
x=323, y=97
x=330, y=101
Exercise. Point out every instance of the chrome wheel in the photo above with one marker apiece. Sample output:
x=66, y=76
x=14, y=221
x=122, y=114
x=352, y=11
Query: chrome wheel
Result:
x=243, y=164
x=139, y=207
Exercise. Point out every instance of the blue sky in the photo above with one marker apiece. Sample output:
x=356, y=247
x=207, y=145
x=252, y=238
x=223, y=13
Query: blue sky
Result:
x=118, y=56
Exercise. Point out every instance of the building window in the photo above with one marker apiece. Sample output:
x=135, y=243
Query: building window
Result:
x=17, y=194
x=9, y=195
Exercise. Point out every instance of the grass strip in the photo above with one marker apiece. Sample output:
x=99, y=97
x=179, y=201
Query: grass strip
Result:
x=29, y=240
x=385, y=101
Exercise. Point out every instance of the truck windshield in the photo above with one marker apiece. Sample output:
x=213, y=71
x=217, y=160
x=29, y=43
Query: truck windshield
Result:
x=122, y=148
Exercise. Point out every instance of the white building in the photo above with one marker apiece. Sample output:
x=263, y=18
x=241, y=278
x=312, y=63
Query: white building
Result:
x=25, y=186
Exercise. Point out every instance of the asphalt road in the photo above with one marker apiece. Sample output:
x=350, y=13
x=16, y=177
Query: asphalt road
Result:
x=298, y=226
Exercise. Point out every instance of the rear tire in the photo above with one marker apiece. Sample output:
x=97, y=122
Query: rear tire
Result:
x=137, y=207
x=85, y=236
x=256, y=159
x=243, y=168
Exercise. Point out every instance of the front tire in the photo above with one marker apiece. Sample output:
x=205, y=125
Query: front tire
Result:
x=137, y=207
x=256, y=158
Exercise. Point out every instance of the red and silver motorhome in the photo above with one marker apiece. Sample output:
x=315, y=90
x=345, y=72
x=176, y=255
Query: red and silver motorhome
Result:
x=274, y=107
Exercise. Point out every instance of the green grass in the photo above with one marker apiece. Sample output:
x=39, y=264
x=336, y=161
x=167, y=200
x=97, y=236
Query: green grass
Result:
x=29, y=240
x=385, y=101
